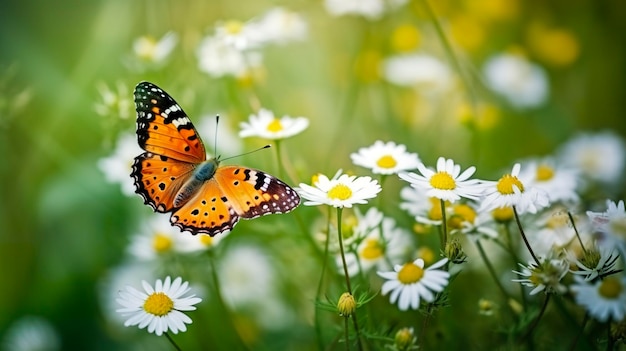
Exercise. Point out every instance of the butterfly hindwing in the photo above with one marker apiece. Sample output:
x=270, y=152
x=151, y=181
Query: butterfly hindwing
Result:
x=209, y=211
x=159, y=178
x=163, y=128
x=253, y=193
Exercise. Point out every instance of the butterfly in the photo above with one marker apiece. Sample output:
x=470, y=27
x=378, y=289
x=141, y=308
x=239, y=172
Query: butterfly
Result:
x=174, y=174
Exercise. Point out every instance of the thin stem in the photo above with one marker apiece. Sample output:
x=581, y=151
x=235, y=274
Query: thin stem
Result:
x=444, y=225
x=169, y=337
x=347, y=276
x=521, y=230
x=318, y=329
x=582, y=330
x=346, y=331
x=491, y=270
x=571, y=219
x=279, y=159
x=534, y=324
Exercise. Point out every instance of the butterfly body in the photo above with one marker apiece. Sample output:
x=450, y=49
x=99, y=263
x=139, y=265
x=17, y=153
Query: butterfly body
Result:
x=174, y=174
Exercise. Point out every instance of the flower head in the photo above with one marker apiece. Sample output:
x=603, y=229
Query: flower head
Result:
x=423, y=72
x=410, y=283
x=148, y=49
x=604, y=299
x=600, y=157
x=344, y=191
x=278, y=25
x=159, y=308
x=385, y=158
x=544, y=277
x=31, y=333
x=447, y=182
x=265, y=125
x=596, y=262
x=510, y=190
x=218, y=58
x=558, y=181
x=118, y=166
x=610, y=226
x=522, y=83
x=346, y=305
x=114, y=102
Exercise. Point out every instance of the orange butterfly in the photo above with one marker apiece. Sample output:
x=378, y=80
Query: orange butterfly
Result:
x=174, y=175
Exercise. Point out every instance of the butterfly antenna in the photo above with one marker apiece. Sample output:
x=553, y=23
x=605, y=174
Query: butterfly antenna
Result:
x=249, y=152
x=217, y=122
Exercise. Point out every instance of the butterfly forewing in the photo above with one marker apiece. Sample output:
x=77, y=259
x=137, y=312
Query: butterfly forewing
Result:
x=163, y=128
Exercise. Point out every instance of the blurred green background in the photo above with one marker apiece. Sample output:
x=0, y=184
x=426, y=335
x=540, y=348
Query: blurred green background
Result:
x=63, y=227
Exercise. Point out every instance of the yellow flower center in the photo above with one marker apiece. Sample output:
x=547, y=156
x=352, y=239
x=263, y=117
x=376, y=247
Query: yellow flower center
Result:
x=410, y=273
x=544, y=173
x=340, y=192
x=442, y=181
x=373, y=249
x=462, y=213
x=386, y=161
x=161, y=243
x=505, y=184
x=427, y=254
x=503, y=214
x=206, y=240
x=435, y=209
x=610, y=288
x=158, y=304
x=233, y=27
x=559, y=219
x=405, y=38
x=275, y=126
x=146, y=47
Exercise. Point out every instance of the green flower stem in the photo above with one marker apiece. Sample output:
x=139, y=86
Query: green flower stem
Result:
x=444, y=225
x=535, y=322
x=521, y=230
x=318, y=293
x=220, y=300
x=279, y=159
x=346, y=330
x=492, y=271
x=169, y=337
x=571, y=219
x=347, y=276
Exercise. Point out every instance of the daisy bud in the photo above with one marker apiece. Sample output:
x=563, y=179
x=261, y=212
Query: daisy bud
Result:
x=404, y=339
x=454, y=251
x=486, y=307
x=346, y=305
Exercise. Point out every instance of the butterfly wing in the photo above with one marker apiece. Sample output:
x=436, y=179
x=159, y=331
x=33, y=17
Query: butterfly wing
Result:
x=163, y=128
x=173, y=146
x=233, y=193
x=159, y=178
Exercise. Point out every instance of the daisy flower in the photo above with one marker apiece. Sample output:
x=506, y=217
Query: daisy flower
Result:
x=344, y=191
x=375, y=249
x=522, y=83
x=610, y=226
x=545, y=277
x=114, y=102
x=600, y=157
x=278, y=25
x=597, y=262
x=159, y=308
x=605, y=299
x=447, y=182
x=385, y=158
x=117, y=167
x=552, y=228
x=160, y=238
x=148, y=49
x=510, y=190
x=30, y=333
x=218, y=58
x=424, y=72
x=265, y=125
x=557, y=181
x=410, y=283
